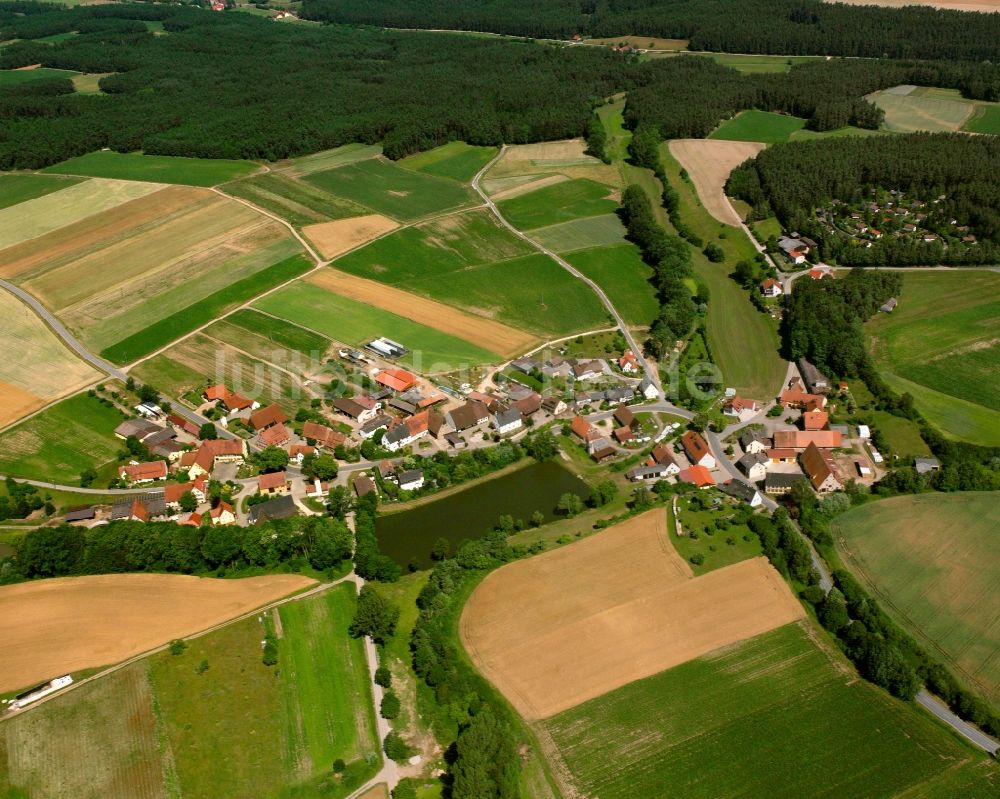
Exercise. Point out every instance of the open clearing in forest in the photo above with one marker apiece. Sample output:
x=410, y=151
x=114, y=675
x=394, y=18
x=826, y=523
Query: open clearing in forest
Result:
x=388, y=189
x=931, y=558
x=558, y=160
x=942, y=344
x=340, y=235
x=708, y=163
x=167, y=727
x=572, y=624
x=355, y=324
x=777, y=699
x=918, y=108
x=486, y=333
x=36, y=217
x=68, y=624
x=758, y=126
x=36, y=367
x=61, y=441
x=456, y=160
x=155, y=168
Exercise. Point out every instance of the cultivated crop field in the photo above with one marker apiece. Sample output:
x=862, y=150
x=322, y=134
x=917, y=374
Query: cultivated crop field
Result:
x=20, y=187
x=61, y=441
x=354, y=323
x=261, y=335
x=559, y=202
x=329, y=159
x=341, y=235
x=15, y=77
x=758, y=126
x=525, y=167
x=231, y=726
x=391, y=190
x=743, y=341
x=985, y=119
x=36, y=367
x=624, y=276
x=708, y=164
x=456, y=160
x=776, y=699
x=912, y=108
x=292, y=199
x=61, y=626
x=581, y=234
x=931, y=559
x=155, y=168
x=479, y=331
x=942, y=344
x=572, y=624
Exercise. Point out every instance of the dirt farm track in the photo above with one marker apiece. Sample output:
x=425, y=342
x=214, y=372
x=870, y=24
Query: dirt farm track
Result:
x=55, y=627
x=572, y=624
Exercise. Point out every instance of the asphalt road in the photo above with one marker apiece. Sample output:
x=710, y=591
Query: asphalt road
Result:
x=931, y=703
x=651, y=373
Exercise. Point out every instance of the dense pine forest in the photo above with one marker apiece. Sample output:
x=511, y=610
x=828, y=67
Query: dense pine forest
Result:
x=787, y=27
x=203, y=87
x=941, y=176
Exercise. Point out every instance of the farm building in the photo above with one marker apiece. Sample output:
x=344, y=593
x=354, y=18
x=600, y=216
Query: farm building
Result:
x=697, y=475
x=472, y=414
x=275, y=436
x=624, y=417
x=355, y=409
x=268, y=417
x=925, y=465
x=696, y=448
x=277, y=508
x=396, y=379
x=273, y=483
x=889, y=305
x=323, y=436
x=143, y=472
x=800, y=439
x=819, y=468
x=781, y=482
x=387, y=348
x=363, y=485
x=372, y=426
x=138, y=428
x=815, y=420
x=640, y=473
x=815, y=380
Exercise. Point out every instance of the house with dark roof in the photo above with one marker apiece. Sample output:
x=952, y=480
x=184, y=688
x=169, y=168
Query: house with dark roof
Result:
x=507, y=420
x=753, y=465
x=282, y=507
x=371, y=427
x=646, y=472
x=411, y=480
x=624, y=416
x=472, y=414
x=745, y=492
x=363, y=485
x=754, y=440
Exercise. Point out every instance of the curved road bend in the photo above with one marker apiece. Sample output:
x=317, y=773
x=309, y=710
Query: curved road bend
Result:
x=82, y=352
x=650, y=372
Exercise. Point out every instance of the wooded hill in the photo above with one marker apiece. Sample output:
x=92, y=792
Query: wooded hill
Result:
x=786, y=27
x=792, y=179
x=233, y=85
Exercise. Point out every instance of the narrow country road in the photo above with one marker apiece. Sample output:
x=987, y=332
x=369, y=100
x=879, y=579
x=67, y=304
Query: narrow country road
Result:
x=934, y=705
x=651, y=373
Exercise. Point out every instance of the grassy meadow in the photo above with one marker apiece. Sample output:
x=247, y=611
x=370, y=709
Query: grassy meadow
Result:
x=985, y=119
x=294, y=200
x=743, y=341
x=560, y=202
x=456, y=160
x=581, y=234
x=155, y=168
x=61, y=441
x=167, y=726
x=931, y=560
x=330, y=159
x=758, y=64
x=921, y=108
x=18, y=187
x=624, y=276
x=942, y=343
x=776, y=699
x=756, y=125
x=251, y=330
x=392, y=190
x=16, y=77
x=354, y=323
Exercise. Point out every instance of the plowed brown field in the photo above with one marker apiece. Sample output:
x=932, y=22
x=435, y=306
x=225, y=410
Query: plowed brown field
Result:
x=569, y=625
x=709, y=162
x=54, y=627
x=337, y=237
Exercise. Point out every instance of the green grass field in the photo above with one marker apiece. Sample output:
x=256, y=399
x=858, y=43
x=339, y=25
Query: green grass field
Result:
x=758, y=126
x=329, y=159
x=918, y=108
x=773, y=716
x=437, y=247
x=62, y=441
x=17, y=77
x=942, y=343
x=293, y=200
x=19, y=187
x=902, y=435
x=354, y=323
x=850, y=130
x=985, y=119
x=276, y=332
x=164, y=331
x=757, y=64
x=456, y=160
x=581, y=234
x=931, y=559
x=743, y=341
x=624, y=276
x=155, y=168
x=392, y=190
x=559, y=202
x=618, y=137
x=703, y=537
x=533, y=293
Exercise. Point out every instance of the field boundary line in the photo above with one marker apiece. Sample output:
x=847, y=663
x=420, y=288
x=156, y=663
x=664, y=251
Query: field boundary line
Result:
x=315, y=590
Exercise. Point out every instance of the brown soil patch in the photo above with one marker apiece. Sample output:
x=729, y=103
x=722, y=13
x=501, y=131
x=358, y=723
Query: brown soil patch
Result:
x=547, y=151
x=16, y=402
x=337, y=237
x=570, y=625
x=27, y=68
x=494, y=336
x=54, y=627
x=530, y=186
x=380, y=791
x=709, y=162
x=93, y=233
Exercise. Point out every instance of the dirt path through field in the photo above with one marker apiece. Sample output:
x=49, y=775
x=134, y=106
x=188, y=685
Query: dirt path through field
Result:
x=572, y=624
x=709, y=162
x=493, y=336
x=54, y=627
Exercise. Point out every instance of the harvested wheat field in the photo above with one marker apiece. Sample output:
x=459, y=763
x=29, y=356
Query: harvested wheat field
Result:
x=572, y=624
x=16, y=402
x=54, y=627
x=494, y=336
x=548, y=160
x=709, y=162
x=337, y=237
x=523, y=185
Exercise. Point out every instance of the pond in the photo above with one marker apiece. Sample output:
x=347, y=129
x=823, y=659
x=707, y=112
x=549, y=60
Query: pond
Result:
x=409, y=536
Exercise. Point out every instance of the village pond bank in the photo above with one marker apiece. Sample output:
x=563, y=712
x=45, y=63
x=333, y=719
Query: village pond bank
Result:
x=408, y=536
